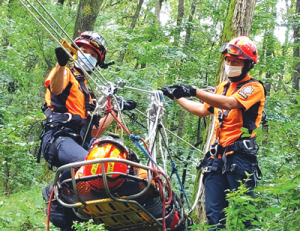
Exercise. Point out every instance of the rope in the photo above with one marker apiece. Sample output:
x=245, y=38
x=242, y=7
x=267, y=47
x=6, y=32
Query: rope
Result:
x=135, y=139
x=161, y=194
x=97, y=134
x=192, y=146
x=41, y=23
x=49, y=209
x=174, y=170
x=137, y=89
x=198, y=194
x=69, y=39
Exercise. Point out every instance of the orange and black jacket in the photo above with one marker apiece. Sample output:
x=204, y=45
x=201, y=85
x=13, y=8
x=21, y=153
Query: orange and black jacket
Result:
x=74, y=97
x=252, y=96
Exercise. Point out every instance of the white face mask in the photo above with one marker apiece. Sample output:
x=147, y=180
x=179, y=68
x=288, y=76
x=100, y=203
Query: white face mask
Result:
x=87, y=62
x=233, y=71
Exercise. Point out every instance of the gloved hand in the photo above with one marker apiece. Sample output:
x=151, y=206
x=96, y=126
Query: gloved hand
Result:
x=129, y=104
x=61, y=56
x=90, y=107
x=167, y=92
x=183, y=90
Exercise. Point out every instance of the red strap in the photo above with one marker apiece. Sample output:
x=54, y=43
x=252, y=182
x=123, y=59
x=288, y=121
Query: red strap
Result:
x=49, y=209
x=175, y=220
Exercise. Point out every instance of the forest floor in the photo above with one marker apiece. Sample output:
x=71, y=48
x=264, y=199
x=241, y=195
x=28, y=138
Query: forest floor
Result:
x=24, y=211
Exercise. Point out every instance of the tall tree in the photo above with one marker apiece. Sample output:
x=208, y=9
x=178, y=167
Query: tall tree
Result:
x=296, y=74
x=158, y=5
x=132, y=26
x=87, y=13
x=180, y=15
x=238, y=22
x=190, y=21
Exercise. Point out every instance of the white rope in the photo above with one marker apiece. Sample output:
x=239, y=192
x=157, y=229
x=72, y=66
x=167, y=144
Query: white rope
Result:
x=155, y=105
x=163, y=153
x=41, y=23
x=154, y=113
x=192, y=146
x=137, y=89
x=200, y=189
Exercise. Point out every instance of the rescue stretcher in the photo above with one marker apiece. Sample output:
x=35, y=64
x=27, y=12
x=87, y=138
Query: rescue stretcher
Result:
x=114, y=210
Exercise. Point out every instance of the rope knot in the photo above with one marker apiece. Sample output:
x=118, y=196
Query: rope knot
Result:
x=108, y=109
x=173, y=166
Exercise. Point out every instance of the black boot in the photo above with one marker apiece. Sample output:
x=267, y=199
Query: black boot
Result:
x=57, y=211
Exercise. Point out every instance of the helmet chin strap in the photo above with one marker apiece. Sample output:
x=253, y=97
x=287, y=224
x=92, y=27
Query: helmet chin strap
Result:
x=245, y=71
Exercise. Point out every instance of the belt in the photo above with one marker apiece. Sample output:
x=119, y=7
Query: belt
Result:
x=63, y=118
x=246, y=144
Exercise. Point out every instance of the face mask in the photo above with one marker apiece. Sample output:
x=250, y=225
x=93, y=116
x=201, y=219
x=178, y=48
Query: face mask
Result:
x=87, y=62
x=233, y=71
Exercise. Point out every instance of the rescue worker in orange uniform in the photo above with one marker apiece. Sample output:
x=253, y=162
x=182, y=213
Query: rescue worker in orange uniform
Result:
x=237, y=105
x=67, y=130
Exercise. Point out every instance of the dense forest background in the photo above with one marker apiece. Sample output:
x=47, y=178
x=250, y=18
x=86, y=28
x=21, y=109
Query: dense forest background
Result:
x=153, y=43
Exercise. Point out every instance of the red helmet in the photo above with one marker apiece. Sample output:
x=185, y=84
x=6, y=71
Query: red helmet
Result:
x=105, y=147
x=95, y=41
x=241, y=47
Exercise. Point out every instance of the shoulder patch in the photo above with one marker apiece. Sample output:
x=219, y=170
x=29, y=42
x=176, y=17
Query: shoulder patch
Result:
x=245, y=91
x=65, y=72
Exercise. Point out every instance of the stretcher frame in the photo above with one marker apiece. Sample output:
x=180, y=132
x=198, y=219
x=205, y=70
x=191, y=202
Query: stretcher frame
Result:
x=117, y=213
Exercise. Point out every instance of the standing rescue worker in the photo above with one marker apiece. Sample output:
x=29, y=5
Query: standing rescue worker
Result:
x=237, y=105
x=67, y=130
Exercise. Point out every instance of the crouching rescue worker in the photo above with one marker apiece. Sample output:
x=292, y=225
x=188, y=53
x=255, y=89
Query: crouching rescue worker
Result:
x=237, y=105
x=67, y=130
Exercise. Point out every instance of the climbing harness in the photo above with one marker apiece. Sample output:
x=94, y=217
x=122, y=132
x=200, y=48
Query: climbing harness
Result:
x=245, y=144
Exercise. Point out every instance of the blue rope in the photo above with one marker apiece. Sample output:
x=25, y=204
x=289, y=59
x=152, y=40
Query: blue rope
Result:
x=174, y=170
x=136, y=140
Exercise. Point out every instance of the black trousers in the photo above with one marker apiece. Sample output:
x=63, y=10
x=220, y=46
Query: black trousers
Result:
x=216, y=185
x=67, y=150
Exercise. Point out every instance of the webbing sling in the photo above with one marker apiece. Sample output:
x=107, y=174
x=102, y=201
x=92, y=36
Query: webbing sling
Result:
x=80, y=78
x=89, y=107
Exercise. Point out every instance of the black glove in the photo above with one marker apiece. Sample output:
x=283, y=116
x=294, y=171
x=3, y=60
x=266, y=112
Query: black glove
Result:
x=90, y=107
x=167, y=92
x=61, y=56
x=183, y=90
x=129, y=104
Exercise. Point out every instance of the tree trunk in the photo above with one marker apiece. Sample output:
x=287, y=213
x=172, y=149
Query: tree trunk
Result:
x=132, y=26
x=87, y=13
x=238, y=22
x=181, y=119
x=189, y=27
x=179, y=21
x=158, y=4
x=296, y=74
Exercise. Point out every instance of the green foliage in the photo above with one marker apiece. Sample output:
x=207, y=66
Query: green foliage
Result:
x=18, y=167
x=24, y=210
x=151, y=60
x=279, y=188
x=240, y=209
x=88, y=226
